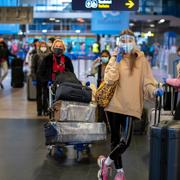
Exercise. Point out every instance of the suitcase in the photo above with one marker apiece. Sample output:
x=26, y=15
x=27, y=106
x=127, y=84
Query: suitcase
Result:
x=80, y=132
x=169, y=98
x=73, y=92
x=31, y=90
x=17, y=75
x=164, y=150
x=74, y=111
x=165, y=115
x=77, y=132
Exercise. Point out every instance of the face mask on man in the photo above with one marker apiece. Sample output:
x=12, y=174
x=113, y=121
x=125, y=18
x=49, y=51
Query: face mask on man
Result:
x=58, y=51
x=105, y=60
x=43, y=49
x=127, y=47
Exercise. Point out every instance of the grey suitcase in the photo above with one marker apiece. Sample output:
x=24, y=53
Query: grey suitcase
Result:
x=31, y=90
x=74, y=111
x=71, y=132
x=164, y=150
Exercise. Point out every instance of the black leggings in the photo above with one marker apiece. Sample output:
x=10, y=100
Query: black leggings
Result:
x=42, y=97
x=177, y=112
x=121, y=133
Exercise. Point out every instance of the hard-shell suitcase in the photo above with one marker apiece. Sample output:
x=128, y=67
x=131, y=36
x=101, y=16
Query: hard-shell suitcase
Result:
x=17, y=75
x=164, y=150
x=74, y=111
x=31, y=90
x=81, y=132
x=77, y=132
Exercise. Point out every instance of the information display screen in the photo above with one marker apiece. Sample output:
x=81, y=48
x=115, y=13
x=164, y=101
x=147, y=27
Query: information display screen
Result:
x=118, y=5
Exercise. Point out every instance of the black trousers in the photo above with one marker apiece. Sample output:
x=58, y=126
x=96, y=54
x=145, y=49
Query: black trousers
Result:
x=121, y=133
x=42, y=97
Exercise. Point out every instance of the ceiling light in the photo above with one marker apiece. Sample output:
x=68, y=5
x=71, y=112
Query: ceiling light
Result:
x=78, y=31
x=161, y=21
x=44, y=30
x=44, y=23
x=52, y=19
x=20, y=33
x=57, y=20
x=131, y=24
x=152, y=25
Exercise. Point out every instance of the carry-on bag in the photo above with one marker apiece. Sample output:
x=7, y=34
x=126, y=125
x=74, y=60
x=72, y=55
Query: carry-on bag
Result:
x=31, y=90
x=73, y=92
x=164, y=149
x=17, y=74
x=74, y=111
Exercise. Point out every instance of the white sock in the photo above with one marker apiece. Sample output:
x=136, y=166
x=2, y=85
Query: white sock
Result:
x=108, y=161
x=120, y=170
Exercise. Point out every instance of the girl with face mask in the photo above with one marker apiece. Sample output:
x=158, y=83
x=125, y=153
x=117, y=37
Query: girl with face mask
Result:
x=99, y=65
x=41, y=87
x=131, y=72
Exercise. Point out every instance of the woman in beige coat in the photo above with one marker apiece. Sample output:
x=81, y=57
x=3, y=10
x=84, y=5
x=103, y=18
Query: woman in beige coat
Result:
x=129, y=68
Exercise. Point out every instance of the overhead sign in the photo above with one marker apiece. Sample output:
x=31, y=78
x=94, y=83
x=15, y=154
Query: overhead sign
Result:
x=109, y=22
x=16, y=15
x=120, y=5
x=9, y=28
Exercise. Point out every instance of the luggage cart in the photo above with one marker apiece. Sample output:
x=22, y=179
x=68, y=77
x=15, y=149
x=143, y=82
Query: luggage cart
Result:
x=57, y=148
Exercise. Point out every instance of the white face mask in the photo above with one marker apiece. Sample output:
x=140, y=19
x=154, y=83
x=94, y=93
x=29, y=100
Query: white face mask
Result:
x=43, y=49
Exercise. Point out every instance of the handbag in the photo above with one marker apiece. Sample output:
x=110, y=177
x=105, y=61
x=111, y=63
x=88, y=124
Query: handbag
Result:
x=105, y=93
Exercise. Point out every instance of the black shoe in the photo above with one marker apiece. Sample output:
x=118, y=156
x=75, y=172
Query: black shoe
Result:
x=1, y=85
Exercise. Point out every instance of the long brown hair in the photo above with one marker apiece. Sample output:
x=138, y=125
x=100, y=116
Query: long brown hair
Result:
x=133, y=55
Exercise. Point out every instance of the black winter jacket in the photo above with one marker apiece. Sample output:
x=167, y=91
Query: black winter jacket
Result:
x=46, y=68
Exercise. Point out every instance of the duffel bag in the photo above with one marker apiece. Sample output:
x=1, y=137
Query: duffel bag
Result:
x=73, y=92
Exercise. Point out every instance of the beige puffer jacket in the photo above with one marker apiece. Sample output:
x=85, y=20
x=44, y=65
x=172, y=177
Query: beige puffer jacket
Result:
x=131, y=90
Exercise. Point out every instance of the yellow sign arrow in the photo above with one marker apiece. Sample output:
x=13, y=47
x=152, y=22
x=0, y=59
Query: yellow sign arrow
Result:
x=129, y=4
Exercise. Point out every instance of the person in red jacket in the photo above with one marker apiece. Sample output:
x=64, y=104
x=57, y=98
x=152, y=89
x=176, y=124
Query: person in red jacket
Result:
x=55, y=63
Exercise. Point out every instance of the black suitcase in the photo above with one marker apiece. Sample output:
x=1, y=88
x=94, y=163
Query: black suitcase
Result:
x=17, y=75
x=73, y=92
x=169, y=98
x=164, y=150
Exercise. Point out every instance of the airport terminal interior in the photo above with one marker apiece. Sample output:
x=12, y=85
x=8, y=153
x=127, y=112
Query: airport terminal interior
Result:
x=85, y=37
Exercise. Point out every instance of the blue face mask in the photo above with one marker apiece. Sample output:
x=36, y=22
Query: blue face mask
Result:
x=105, y=60
x=127, y=47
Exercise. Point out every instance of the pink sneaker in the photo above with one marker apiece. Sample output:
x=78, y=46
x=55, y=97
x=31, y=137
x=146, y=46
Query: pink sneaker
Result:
x=104, y=170
x=120, y=176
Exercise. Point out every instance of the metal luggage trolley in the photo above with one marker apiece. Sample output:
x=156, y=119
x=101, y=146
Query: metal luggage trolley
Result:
x=80, y=146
